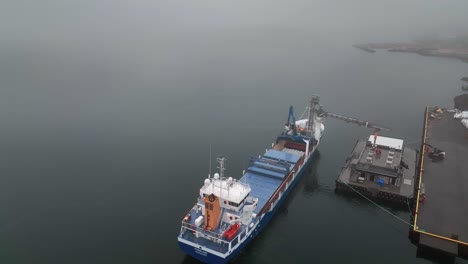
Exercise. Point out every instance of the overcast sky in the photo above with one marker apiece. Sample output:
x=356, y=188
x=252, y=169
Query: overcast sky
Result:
x=74, y=23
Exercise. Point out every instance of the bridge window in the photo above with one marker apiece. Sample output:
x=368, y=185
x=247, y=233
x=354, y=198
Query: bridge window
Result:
x=237, y=204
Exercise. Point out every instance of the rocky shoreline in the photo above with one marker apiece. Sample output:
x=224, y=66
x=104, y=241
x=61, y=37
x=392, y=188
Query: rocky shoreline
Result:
x=423, y=50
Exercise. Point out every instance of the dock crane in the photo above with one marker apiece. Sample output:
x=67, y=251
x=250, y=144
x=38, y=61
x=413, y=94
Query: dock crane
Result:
x=315, y=110
x=377, y=128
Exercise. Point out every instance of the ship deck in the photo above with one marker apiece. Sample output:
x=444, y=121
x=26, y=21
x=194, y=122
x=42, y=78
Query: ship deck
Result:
x=217, y=233
x=441, y=220
x=190, y=236
x=265, y=174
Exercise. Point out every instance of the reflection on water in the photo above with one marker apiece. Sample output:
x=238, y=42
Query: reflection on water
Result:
x=310, y=178
x=189, y=260
x=437, y=257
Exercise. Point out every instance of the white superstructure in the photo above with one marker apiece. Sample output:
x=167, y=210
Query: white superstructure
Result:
x=229, y=189
x=392, y=143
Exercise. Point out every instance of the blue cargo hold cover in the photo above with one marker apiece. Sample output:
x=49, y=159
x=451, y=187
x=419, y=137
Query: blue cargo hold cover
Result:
x=280, y=155
x=261, y=188
x=267, y=173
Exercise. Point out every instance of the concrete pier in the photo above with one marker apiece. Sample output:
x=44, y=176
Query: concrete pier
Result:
x=441, y=219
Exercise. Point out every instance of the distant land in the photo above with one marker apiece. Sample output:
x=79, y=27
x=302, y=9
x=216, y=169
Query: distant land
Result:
x=456, y=47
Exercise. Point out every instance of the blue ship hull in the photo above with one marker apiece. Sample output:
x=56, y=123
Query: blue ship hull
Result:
x=207, y=257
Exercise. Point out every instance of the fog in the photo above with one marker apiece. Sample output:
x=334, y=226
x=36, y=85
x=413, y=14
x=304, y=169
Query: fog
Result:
x=71, y=45
x=77, y=63
x=106, y=105
x=154, y=26
x=68, y=22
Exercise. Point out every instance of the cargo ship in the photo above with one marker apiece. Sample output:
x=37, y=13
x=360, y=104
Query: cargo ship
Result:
x=229, y=213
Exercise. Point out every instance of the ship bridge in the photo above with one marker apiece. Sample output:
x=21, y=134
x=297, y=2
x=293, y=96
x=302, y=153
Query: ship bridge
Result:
x=229, y=190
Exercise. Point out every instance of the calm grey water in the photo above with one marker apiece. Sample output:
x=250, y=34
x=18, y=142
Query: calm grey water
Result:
x=108, y=109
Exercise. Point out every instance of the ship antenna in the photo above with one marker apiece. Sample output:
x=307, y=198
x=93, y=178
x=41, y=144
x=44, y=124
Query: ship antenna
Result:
x=209, y=175
x=221, y=167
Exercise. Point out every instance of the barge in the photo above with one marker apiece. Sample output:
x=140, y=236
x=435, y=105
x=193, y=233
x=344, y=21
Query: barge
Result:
x=380, y=167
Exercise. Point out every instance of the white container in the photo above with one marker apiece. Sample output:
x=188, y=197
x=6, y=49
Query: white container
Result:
x=199, y=220
x=465, y=122
x=459, y=115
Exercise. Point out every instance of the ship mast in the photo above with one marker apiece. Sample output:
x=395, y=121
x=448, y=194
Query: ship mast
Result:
x=221, y=160
x=313, y=107
x=209, y=175
x=221, y=167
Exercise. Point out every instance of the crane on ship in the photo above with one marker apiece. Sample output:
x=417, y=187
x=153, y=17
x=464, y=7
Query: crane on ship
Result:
x=315, y=110
x=291, y=124
x=356, y=121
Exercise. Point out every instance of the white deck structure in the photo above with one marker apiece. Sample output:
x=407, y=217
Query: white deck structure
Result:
x=392, y=143
x=226, y=189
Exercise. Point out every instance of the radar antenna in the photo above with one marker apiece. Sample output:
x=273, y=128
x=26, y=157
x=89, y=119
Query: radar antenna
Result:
x=222, y=167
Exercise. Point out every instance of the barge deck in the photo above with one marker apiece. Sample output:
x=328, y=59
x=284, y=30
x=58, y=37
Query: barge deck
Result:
x=384, y=170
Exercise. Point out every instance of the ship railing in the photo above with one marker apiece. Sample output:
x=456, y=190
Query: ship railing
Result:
x=216, y=240
x=281, y=188
x=221, y=245
x=200, y=200
x=206, y=233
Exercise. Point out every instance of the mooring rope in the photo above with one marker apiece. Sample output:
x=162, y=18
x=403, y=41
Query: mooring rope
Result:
x=409, y=208
x=392, y=214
